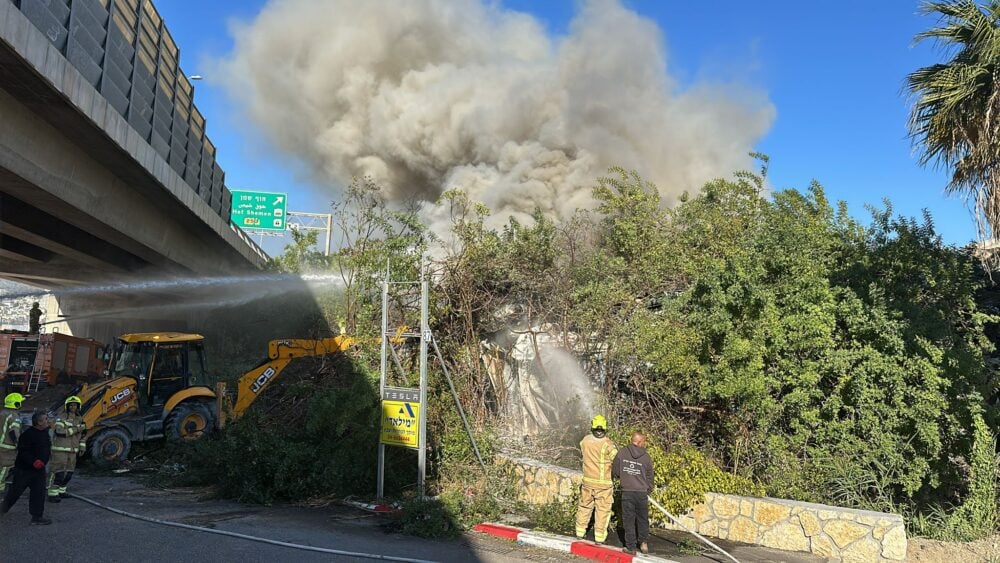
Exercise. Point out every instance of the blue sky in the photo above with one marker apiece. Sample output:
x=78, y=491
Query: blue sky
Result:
x=834, y=72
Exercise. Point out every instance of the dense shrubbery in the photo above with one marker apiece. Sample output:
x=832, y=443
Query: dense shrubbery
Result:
x=558, y=517
x=683, y=475
x=300, y=443
x=428, y=518
x=977, y=516
x=808, y=352
x=812, y=356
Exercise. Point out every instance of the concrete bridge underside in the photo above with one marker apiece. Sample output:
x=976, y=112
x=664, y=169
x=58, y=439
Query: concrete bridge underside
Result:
x=83, y=198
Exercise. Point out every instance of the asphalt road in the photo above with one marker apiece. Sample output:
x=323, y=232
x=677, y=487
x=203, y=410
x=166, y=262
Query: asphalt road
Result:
x=81, y=530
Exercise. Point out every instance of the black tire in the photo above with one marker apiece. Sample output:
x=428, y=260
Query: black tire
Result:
x=189, y=420
x=110, y=447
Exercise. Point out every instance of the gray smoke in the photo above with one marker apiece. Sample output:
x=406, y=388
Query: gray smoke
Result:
x=432, y=95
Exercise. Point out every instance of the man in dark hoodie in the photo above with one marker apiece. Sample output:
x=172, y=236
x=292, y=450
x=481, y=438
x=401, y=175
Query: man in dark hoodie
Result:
x=635, y=470
x=34, y=447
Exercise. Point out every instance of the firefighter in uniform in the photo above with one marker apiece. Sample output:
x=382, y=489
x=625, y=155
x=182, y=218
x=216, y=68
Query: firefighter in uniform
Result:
x=10, y=430
x=597, y=490
x=69, y=442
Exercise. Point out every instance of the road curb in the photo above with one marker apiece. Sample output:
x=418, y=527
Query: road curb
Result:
x=566, y=544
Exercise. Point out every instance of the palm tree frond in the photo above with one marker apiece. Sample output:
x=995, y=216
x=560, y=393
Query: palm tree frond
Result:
x=955, y=105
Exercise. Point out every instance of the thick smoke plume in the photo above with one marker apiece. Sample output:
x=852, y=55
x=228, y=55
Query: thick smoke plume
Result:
x=431, y=95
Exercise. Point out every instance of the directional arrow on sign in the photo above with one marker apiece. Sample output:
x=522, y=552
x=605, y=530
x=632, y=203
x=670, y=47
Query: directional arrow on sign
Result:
x=278, y=200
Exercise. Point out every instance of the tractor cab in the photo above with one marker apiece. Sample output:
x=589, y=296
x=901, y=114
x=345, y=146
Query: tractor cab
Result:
x=161, y=363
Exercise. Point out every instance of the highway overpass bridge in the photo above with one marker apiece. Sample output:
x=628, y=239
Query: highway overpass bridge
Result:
x=106, y=173
x=105, y=169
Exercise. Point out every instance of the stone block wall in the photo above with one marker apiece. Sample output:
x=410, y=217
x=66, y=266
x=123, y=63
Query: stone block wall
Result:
x=541, y=483
x=838, y=534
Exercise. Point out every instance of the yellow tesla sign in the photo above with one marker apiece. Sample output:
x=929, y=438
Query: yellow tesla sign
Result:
x=401, y=424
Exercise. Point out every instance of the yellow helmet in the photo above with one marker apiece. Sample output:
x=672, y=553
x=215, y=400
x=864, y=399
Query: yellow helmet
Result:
x=599, y=422
x=74, y=399
x=13, y=401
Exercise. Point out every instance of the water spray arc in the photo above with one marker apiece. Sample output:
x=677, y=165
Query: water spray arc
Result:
x=182, y=284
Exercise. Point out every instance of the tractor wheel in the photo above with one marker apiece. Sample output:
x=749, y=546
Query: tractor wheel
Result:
x=189, y=420
x=110, y=447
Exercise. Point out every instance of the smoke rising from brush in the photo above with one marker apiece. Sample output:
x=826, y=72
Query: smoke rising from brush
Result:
x=432, y=95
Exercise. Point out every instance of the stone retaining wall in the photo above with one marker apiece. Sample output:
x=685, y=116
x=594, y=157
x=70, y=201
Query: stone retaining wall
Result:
x=542, y=483
x=839, y=534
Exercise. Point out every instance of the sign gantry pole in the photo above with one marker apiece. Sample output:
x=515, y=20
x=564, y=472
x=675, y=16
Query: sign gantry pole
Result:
x=382, y=374
x=329, y=231
x=425, y=337
x=313, y=222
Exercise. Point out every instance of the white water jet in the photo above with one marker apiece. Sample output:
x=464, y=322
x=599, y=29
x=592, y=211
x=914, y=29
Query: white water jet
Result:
x=185, y=283
x=144, y=297
x=544, y=386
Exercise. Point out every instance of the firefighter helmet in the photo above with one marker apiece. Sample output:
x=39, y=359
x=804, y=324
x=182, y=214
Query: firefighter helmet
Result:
x=74, y=399
x=13, y=401
x=599, y=423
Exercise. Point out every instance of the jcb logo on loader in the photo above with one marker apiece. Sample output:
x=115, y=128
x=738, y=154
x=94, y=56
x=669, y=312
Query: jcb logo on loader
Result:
x=121, y=395
x=262, y=380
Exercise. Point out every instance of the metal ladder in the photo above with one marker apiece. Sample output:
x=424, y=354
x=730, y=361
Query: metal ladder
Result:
x=35, y=379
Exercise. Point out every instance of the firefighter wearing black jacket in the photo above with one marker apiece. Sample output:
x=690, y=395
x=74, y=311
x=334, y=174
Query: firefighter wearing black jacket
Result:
x=635, y=470
x=34, y=448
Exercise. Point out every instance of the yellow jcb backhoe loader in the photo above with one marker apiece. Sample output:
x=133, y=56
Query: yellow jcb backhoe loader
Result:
x=157, y=388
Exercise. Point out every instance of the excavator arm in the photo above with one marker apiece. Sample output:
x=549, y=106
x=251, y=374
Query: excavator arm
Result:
x=280, y=353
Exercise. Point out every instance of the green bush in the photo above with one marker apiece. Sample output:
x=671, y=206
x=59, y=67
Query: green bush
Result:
x=555, y=517
x=977, y=516
x=683, y=475
x=472, y=505
x=428, y=518
x=327, y=449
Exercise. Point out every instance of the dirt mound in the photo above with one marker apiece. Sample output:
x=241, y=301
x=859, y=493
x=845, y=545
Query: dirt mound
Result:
x=920, y=550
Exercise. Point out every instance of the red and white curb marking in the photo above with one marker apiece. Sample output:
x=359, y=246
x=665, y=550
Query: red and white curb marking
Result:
x=379, y=508
x=580, y=548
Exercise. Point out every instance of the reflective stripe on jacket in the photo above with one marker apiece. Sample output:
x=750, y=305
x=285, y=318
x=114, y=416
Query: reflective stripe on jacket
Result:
x=598, y=453
x=9, y=420
x=69, y=431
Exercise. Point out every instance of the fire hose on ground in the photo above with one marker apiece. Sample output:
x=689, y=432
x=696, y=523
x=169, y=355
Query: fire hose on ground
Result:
x=249, y=537
x=690, y=531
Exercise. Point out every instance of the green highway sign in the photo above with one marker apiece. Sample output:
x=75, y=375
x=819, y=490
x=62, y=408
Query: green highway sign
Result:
x=261, y=211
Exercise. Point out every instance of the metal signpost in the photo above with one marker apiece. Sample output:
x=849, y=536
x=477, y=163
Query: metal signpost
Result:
x=404, y=412
x=259, y=211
